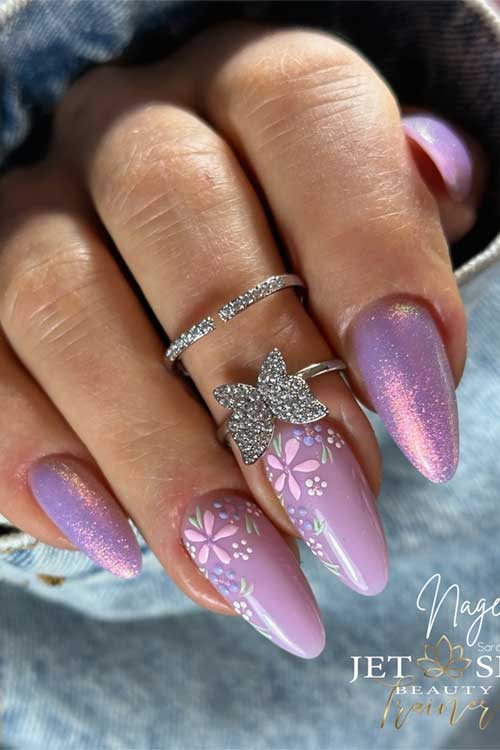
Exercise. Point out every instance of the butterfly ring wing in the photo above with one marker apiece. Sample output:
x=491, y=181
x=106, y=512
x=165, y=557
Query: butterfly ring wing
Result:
x=251, y=422
x=288, y=396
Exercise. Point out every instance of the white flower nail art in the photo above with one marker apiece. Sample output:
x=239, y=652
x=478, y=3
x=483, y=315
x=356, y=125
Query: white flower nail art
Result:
x=315, y=486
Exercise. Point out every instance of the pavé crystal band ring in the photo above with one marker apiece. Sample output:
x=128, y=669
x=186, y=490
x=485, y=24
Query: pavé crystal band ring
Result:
x=230, y=310
x=277, y=395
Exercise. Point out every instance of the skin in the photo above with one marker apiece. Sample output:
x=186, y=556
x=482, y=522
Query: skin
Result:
x=177, y=164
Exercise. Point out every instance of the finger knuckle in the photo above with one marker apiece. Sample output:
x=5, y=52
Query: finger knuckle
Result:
x=48, y=297
x=296, y=80
x=158, y=186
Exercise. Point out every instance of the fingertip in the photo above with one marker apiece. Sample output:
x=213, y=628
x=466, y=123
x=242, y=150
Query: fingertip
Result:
x=447, y=149
x=453, y=166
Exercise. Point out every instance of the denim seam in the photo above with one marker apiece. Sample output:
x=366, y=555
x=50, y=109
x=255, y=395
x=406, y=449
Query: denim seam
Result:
x=479, y=263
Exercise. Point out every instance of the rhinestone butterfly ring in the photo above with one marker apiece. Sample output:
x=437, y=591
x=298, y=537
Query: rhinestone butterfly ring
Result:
x=277, y=395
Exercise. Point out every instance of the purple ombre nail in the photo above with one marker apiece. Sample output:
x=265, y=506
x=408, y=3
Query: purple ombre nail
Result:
x=324, y=491
x=86, y=513
x=448, y=151
x=247, y=560
x=403, y=362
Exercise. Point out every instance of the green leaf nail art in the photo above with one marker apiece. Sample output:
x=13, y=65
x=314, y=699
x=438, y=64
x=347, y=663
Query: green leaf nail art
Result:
x=335, y=569
x=194, y=522
x=318, y=526
x=245, y=588
x=277, y=444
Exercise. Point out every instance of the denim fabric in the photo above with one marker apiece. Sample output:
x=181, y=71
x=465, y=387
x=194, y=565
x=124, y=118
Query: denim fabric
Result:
x=88, y=661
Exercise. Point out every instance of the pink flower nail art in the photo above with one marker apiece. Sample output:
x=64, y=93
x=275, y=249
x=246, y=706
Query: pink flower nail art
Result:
x=286, y=469
x=208, y=538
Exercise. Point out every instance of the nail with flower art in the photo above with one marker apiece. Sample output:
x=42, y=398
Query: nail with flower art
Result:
x=208, y=538
x=247, y=560
x=312, y=469
x=325, y=493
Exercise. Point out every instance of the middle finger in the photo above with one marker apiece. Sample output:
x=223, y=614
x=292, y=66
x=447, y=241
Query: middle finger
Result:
x=190, y=227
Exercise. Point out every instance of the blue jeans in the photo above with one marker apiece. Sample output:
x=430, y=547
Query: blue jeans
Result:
x=89, y=661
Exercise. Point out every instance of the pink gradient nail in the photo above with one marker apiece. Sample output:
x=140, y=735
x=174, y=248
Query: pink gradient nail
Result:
x=445, y=147
x=321, y=486
x=86, y=513
x=403, y=362
x=246, y=559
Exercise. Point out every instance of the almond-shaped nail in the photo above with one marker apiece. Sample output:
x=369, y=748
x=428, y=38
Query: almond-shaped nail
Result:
x=324, y=491
x=402, y=360
x=246, y=559
x=86, y=513
x=447, y=150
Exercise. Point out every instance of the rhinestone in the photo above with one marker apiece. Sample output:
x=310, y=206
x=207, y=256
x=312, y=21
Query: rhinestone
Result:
x=253, y=410
x=189, y=337
x=258, y=292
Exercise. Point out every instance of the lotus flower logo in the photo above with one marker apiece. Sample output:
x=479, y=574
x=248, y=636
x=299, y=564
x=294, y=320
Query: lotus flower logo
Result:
x=444, y=659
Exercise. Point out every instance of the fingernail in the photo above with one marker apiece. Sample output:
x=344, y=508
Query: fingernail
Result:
x=447, y=150
x=403, y=362
x=321, y=486
x=246, y=559
x=85, y=511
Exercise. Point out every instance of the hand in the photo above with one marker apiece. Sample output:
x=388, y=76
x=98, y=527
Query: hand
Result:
x=183, y=179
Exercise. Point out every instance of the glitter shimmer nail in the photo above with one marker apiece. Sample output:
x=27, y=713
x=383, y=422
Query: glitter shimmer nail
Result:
x=403, y=362
x=444, y=146
x=86, y=512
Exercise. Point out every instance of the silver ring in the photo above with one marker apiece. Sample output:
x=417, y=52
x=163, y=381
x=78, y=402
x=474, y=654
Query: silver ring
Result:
x=228, y=311
x=277, y=395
